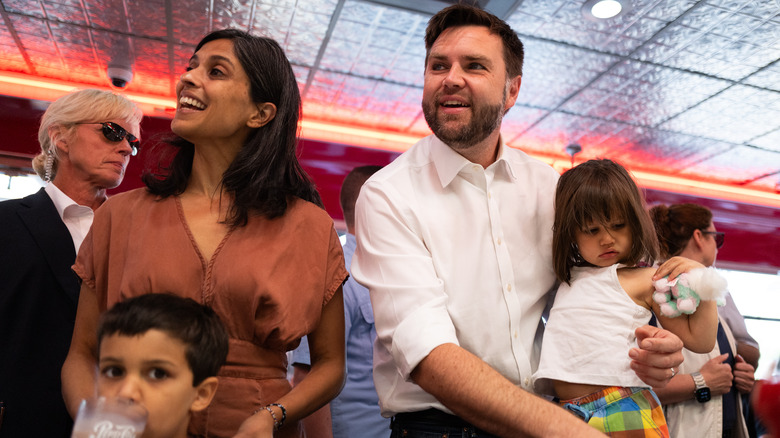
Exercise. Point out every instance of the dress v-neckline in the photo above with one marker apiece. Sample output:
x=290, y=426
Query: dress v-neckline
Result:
x=206, y=264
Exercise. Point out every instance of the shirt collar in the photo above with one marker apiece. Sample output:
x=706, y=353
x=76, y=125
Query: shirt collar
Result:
x=59, y=198
x=65, y=206
x=449, y=163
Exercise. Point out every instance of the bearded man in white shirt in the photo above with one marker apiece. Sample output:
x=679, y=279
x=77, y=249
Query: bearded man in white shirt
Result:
x=454, y=245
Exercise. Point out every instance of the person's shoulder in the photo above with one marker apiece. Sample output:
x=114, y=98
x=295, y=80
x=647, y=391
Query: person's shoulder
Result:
x=418, y=155
x=29, y=201
x=126, y=203
x=9, y=205
x=589, y=272
x=130, y=196
x=637, y=282
x=9, y=208
x=301, y=210
x=406, y=172
x=633, y=272
x=519, y=160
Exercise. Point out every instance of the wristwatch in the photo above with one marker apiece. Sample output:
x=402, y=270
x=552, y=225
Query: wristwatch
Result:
x=702, y=391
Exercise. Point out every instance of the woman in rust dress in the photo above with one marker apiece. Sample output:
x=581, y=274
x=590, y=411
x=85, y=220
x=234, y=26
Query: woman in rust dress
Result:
x=235, y=223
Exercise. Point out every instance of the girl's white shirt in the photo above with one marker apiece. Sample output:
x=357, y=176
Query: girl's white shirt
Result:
x=590, y=331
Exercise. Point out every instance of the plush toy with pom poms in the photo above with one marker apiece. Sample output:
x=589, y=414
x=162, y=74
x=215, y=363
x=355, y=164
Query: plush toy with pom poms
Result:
x=684, y=293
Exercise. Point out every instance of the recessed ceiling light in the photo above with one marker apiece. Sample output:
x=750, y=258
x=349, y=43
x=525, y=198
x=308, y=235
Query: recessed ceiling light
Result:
x=604, y=9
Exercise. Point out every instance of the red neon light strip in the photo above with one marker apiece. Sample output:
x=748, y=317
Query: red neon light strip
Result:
x=30, y=87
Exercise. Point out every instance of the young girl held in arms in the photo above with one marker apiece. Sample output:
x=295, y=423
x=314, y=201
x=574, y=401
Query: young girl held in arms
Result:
x=601, y=233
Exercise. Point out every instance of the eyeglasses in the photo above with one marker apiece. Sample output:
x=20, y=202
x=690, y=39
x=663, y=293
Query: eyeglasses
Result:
x=720, y=237
x=113, y=132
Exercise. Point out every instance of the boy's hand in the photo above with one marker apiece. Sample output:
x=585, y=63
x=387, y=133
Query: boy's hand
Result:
x=259, y=425
x=658, y=357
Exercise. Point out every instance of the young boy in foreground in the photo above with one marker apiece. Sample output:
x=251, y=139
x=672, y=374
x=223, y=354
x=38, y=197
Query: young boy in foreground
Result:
x=162, y=352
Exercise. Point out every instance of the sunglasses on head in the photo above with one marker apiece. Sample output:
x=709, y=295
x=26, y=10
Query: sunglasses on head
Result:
x=720, y=237
x=113, y=132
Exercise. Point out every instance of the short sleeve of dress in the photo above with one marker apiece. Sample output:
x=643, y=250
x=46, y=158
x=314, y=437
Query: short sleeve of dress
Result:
x=92, y=262
x=336, y=272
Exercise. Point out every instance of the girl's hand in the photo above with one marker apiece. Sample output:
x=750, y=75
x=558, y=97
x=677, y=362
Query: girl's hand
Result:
x=676, y=266
x=259, y=425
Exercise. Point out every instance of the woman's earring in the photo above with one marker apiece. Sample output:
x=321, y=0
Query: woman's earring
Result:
x=48, y=166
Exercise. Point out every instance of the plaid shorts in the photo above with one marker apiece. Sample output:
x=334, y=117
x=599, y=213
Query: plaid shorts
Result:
x=621, y=412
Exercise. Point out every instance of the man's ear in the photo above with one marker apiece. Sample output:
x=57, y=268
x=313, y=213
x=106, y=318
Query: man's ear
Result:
x=204, y=392
x=266, y=112
x=513, y=89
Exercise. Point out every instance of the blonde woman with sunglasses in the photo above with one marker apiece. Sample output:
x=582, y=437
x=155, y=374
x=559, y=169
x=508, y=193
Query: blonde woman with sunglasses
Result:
x=87, y=138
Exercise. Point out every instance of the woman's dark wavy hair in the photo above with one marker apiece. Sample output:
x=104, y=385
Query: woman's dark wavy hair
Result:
x=597, y=191
x=266, y=173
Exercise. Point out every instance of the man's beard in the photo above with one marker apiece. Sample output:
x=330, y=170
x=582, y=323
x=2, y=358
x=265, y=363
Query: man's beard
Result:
x=485, y=119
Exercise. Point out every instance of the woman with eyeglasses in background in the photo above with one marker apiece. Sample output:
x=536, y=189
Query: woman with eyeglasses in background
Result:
x=87, y=138
x=704, y=399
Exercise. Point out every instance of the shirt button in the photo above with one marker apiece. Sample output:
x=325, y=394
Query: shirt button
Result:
x=498, y=241
x=526, y=381
x=515, y=334
x=509, y=288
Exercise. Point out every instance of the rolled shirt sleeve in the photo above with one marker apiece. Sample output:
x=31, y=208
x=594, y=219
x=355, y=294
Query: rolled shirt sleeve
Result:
x=398, y=269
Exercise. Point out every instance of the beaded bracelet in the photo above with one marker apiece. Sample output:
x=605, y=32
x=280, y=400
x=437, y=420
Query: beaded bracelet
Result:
x=284, y=414
x=277, y=423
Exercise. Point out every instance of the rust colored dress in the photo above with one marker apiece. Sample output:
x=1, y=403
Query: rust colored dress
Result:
x=268, y=281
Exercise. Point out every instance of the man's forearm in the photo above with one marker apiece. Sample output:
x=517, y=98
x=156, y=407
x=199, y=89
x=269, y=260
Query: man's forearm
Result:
x=679, y=389
x=480, y=395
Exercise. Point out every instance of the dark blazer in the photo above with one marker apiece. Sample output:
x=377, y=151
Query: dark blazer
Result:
x=38, y=299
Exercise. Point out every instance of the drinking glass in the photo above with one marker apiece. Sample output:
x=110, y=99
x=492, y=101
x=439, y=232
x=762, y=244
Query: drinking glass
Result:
x=109, y=418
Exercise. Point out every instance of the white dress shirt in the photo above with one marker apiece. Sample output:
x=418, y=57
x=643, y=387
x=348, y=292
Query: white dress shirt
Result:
x=77, y=218
x=454, y=253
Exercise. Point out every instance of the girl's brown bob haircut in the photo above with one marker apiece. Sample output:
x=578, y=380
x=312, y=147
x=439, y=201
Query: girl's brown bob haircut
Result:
x=599, y=191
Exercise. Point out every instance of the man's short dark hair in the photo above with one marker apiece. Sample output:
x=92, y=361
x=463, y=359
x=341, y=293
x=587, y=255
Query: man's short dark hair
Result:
x=466, y=15
x=350, y=189
x=192, y=323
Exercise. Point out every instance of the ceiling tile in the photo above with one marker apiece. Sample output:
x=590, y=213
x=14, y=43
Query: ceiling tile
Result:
x=769, y=141
x=739, y=165
x=24, y=7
